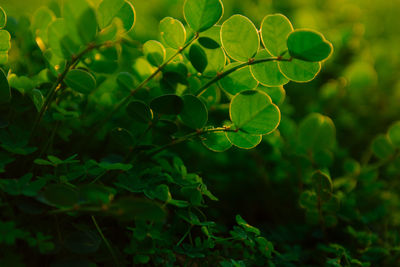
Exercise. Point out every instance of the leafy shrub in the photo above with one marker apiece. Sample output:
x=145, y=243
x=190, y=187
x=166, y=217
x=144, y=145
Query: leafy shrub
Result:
x=96, y=127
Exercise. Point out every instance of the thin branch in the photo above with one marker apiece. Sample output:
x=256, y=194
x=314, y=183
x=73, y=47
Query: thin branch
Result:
x=204, y=88
x=188, y=137
x=105, y=241
x=144, y=83
x=57, y=84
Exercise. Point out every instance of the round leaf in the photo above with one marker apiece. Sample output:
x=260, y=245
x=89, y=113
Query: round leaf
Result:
x=61, y=195
x=198, y=58
x=277, y=94
x=121, y=9
x=87, y=26
x=254, y=113
x=154, y=52
x=167, y=104
x=322, y=184
x=3, y=18
x=394, y=134
x=298, y=70
x=238, y=81
x=173, y=32
x=125, y=80
x=274, y=32
x=243, y=140
x=139, y=111
x=317, y=132
x=240, y=38
x=5, y=40
x=80, y=81
x=5, y=91
x=40, y=21
x=308, y=45
x=208, y=43
x=216, y=141
x=201, y=15
x=194, y=113
x=268, y=73
x=382, y=147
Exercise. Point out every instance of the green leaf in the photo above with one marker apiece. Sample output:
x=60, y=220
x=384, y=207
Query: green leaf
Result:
x=240, y=38
x=87, y=26
x=115, y=166
x=139, y=111
x=308, y=45
x=5, y=40
x=382, y=147
x=122, y=137
x=317, y=132
x=61, y=195
x=43, y=162
x=80, y=81
x=3, y=57
x=216, y=141
x=201, y=15
x=253, y=112
x=277, y=94
x=96, y=194
x=194, y=113
x=161, y=192
x=243, y=140
x=238, y=81
x=274, y=32
x=126, y=81
x=154, y=52
x=322, y=184
x=173, y=33
x=208, y=43
x=37, y=98
x=394, y=134
x=193, y=194
x=167, y=104
x=5, y=91
x=74, y=14
x=267, y=73
x=3, y=18
x=198, y=58
x=216, y=56
x=121, y=9
x=298, y=70
x=59, y=41
x=40, y=22
x=130, y=208
x=247, y=227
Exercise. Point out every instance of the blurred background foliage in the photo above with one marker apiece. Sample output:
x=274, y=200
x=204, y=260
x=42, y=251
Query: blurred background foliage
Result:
x=359, y=89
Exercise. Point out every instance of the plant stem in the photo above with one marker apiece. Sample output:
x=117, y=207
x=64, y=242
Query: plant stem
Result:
x=187, y=137
x=105, y=241
x=204, y=88
x=57, y=84
x=124, y=101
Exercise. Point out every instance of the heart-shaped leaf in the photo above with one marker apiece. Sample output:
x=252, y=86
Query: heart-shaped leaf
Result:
x=253, y=112
x=309, y=45
x=201, y=15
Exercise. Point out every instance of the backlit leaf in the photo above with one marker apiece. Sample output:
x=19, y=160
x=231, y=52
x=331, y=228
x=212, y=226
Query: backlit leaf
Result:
x=274, y=32
x=80, y=81
x=240, y=38
x=253, y=112
x=308, y=45
x=201, y=15
x=172, y=32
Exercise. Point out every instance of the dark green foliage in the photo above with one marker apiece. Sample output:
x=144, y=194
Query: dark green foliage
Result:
x=109, y=140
